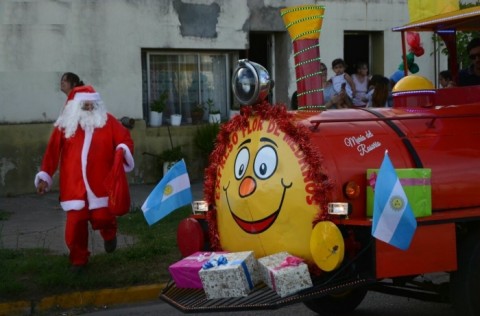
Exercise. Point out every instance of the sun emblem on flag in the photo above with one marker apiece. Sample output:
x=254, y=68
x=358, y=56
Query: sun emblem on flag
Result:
x=397, y=203
x=168, y=190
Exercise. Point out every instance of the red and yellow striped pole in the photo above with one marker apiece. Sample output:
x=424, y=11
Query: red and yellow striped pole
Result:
x=304, y=24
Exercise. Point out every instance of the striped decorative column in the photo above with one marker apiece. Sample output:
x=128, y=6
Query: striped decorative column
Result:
x=304, y=24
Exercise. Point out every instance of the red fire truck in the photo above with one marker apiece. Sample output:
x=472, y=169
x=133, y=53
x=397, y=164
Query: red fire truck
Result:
x=311, y=196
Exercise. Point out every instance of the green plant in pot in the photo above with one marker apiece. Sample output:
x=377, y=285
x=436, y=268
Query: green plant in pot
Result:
x=212, y=109
x=169, y=157
x=159, y=104
x=156, y=109
x=213, y=112
x=197, y=113
x=174, y=154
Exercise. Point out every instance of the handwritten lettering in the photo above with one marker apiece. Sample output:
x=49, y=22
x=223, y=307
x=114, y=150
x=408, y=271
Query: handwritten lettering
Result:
x=364, y=149
x=358, y=142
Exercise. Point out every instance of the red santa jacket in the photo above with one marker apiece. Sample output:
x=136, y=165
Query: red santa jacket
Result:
x=85, y=160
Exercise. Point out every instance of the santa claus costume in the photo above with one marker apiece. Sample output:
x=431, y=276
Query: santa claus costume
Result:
x=84, y=142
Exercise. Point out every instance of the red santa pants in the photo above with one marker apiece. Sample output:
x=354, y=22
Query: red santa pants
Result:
x=76, y=231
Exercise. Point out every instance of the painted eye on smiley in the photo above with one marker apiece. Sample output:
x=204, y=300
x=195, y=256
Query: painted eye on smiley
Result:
x=241, y=163
x=266, y=162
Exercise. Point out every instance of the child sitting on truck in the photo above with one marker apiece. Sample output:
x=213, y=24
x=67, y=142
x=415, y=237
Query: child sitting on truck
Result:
x=342, y=81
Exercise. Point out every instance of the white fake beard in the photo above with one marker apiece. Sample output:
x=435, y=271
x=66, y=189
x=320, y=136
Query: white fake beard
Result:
x=73, y=115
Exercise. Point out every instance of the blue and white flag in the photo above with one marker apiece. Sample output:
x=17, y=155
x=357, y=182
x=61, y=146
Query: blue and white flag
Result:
x=393, y=219
x=172, y=192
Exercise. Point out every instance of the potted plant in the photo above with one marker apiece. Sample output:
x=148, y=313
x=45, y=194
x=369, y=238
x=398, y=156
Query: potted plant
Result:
x=213, y=112
x=197, y=113
x=169, y=157
x=156, y=109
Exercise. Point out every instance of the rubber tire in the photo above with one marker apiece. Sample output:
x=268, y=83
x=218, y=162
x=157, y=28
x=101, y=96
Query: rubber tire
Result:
x=465, y=284
x=338, y=304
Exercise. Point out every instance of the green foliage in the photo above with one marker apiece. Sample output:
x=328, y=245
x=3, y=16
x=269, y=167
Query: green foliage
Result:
x=4, y=215
x=159, y=105
x=31, y=274
x=462, y=40
x=212, y=109
x=173, y=154
x=198, y=108
x=205, y=137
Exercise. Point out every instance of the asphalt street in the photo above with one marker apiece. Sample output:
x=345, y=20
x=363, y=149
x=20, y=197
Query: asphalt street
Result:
x=375, y=304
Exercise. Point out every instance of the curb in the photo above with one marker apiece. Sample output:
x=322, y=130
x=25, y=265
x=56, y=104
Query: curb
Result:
x=97, y=298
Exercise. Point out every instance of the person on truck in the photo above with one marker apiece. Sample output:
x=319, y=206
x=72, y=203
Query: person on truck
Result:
x=471, y=76
x=445, y=79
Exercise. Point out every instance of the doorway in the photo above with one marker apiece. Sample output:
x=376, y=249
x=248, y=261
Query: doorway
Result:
x=356, y=49
x=360, y=46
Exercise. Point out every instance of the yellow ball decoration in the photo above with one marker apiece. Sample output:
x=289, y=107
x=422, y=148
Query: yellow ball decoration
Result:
x=327, y=246
x=413, y=82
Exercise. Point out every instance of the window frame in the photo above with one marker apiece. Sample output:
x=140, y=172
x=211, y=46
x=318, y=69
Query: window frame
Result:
x=225, y=105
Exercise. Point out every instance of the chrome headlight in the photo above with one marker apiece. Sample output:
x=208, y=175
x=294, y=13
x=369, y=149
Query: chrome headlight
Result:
x=338, y=208
x=250, y=82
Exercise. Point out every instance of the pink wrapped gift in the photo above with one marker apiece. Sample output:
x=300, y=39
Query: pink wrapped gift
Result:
x=185, y=271
x=284, y=273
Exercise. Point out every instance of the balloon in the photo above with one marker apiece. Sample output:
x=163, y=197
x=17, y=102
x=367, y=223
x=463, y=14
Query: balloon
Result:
x=414, y=68
x=413, y=39
x=419, y=51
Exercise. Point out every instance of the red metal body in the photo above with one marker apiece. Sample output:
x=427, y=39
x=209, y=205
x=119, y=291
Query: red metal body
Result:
x=443, y=138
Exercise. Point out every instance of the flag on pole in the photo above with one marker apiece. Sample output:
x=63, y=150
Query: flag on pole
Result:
x=172, y=192
x=393, y=219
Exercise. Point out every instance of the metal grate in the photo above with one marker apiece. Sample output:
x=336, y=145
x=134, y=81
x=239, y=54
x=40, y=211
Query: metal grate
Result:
x=261, y=297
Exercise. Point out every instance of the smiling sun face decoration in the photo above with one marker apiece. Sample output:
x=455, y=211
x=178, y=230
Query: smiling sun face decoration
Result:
x=264, y=192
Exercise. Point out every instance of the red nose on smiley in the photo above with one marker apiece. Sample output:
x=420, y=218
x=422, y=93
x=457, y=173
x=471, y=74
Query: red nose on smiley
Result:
x=247, y=187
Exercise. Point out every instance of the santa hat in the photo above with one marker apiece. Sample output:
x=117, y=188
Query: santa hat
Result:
x=83, y=93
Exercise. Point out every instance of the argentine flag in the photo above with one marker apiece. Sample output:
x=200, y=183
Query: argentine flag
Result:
x=172, y=192
x=393, y=219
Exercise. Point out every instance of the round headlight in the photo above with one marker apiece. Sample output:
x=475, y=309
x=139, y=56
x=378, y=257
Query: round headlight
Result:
x=250, y=82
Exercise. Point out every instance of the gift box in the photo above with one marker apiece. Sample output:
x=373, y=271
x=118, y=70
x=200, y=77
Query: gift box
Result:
x=185, y=271
x=229, y=275
x=284, y=273
x=417, y=186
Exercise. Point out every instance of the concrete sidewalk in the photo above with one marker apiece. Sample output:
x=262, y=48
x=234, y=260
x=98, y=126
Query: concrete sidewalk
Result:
x=38, y=222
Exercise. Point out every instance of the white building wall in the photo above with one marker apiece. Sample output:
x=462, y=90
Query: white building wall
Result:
x=101, y=41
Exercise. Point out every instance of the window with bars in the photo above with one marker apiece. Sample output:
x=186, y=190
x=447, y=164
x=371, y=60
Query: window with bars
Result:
x=189, y=80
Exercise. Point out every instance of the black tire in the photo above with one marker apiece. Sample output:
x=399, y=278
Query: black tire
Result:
x=337, y=304
x=465, y=283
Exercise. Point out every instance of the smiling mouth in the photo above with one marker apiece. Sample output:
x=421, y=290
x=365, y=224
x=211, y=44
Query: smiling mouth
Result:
x=261, y=225
x=256, y=227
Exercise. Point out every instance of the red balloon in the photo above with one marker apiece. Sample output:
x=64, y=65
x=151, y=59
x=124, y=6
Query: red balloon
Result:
x=413, y=39
x=419, y=51
x=190, y=236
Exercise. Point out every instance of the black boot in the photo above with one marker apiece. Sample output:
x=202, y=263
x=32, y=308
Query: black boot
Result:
x=110, y=245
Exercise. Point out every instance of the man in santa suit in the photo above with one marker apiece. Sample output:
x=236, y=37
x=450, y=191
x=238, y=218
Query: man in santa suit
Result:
x=84, y=142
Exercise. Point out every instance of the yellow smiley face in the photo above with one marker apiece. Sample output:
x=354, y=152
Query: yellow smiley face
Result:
x=263, y=194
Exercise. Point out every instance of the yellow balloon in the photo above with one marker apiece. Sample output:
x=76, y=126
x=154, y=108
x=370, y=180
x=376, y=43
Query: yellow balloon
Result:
x=413, y=82
x=264, y=202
